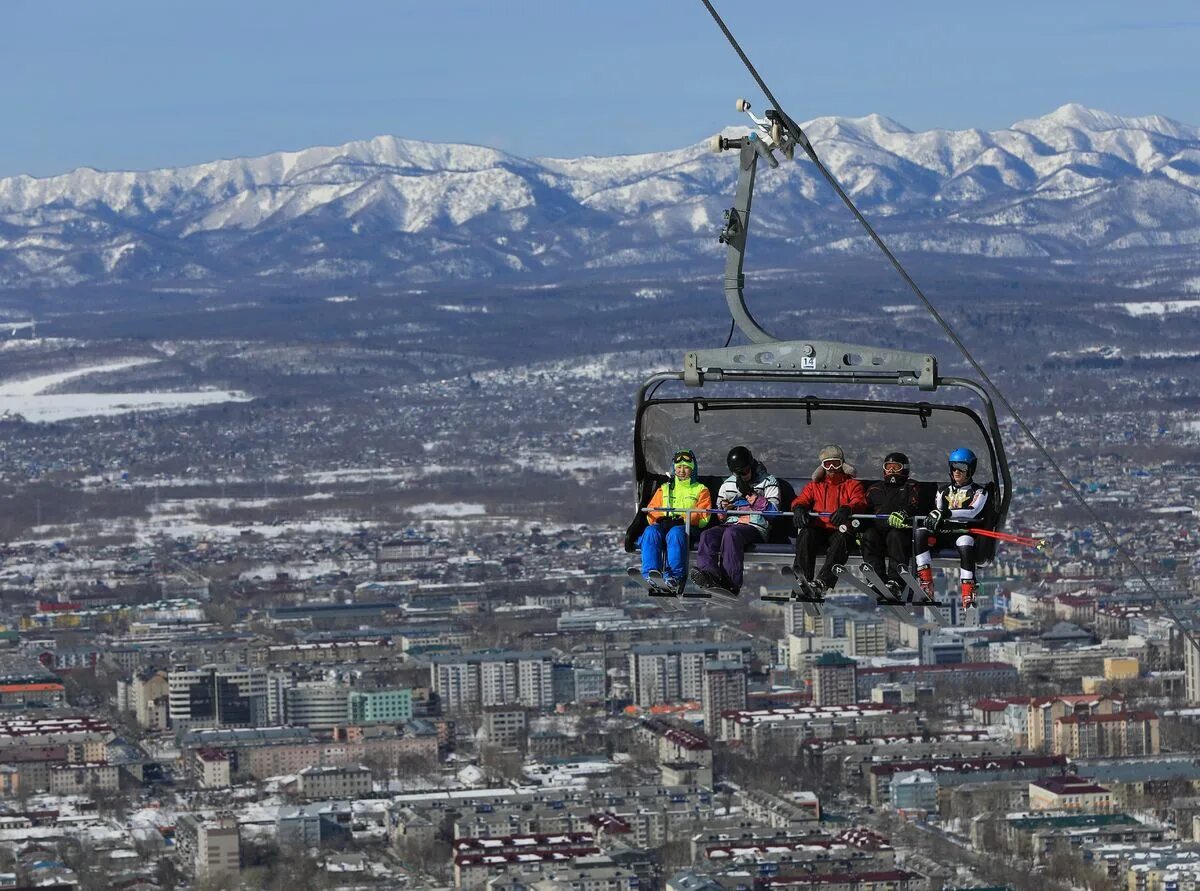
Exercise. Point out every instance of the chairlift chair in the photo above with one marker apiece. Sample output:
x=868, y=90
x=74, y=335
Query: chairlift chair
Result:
x=786, y=399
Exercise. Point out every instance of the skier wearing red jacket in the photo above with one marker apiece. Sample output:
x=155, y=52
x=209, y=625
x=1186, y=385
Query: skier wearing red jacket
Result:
x=833, y=491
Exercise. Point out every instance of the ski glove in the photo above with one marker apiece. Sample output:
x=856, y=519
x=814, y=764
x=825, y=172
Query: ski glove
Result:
x=841, y=516
x=933, y=520
x=898, y=519
x=800, y=517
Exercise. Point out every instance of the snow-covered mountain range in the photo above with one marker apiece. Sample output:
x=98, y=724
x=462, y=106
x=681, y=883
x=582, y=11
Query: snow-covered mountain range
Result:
x=1074, y=184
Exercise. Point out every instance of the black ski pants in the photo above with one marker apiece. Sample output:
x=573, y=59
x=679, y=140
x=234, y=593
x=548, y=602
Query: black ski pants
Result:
x=808, y=545
x=880, y=541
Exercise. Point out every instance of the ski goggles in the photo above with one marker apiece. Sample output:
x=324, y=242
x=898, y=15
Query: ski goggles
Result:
x=832, y=463
x=685, y=456
x=960, y=465
x=893, y=467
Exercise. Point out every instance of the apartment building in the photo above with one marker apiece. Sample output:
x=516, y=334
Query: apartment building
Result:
x=217, y=696
x=1113, y=735
x=724, y=688
x=674, y=672
x=467, y=682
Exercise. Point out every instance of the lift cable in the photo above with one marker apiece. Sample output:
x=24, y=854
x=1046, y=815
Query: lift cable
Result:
x=802, y=140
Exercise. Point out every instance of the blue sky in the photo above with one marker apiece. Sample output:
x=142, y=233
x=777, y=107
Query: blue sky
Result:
x=134, y=84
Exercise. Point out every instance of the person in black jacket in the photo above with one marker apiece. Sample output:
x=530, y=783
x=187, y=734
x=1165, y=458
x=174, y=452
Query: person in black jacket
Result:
x=897, y=496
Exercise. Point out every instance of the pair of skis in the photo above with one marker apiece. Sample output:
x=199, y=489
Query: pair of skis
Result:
x=911, y=595
x=657, y=585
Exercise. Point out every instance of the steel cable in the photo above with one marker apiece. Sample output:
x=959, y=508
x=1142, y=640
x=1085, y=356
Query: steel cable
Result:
x=802, y=140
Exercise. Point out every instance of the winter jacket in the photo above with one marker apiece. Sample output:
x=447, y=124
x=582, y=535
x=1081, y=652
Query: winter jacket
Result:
x=763, y=496
x=967, y=504
x=829, y=491
x=883, y=498
x=682, y=493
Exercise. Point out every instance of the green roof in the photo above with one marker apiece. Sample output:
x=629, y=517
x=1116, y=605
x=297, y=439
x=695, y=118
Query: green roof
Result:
x=1074, y=821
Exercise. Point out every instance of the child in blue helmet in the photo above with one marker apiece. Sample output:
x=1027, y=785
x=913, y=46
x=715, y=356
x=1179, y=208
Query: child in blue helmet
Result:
x=962, y=502
x=665, y=532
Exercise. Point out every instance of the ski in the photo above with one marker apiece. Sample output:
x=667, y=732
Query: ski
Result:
x=887, y=594
x=803, y=593
x=916, y=595
x=635, y=573
x=660, y=587
x=863, y=585
x=918, y=599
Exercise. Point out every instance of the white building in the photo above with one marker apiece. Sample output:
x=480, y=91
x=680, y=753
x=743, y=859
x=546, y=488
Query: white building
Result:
x=663, y=673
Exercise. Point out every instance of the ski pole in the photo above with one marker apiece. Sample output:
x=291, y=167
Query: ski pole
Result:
x=1028, y=541
x=1025, y=540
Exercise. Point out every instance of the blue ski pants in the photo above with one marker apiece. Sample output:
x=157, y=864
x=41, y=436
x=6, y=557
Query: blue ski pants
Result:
x=673, y=542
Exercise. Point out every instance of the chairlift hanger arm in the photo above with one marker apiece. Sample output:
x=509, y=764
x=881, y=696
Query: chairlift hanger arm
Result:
x=868, y=363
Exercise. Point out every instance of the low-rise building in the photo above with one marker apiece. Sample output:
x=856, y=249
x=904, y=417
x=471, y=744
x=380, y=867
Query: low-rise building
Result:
x=1066, y=794
x=83, y=778
x=792, y=725
x=212, y=768
x=952, y=772
x=335, y=781
x=313, y=825
x=208, y=848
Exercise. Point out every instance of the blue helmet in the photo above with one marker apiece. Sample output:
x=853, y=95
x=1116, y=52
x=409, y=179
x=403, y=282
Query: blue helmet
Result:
x=964, y=456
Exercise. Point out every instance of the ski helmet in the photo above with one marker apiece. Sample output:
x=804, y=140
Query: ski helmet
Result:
x=739, y=459
x=894, y=477
x=964, y=457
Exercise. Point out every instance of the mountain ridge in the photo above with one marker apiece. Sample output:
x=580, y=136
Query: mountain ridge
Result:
x=1072, y=184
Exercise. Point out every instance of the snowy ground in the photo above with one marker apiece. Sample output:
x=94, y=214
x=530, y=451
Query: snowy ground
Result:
x=29, y=397
x=1159, y=307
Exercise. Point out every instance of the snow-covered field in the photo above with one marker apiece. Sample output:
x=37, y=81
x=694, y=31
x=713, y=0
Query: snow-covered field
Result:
x=1159, y=307
x=444, y=511
x=29, y=397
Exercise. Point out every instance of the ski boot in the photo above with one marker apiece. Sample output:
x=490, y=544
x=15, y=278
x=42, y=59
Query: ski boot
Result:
x=925, y=577
x=968, y=593
x=806, y=591
x=895, y=591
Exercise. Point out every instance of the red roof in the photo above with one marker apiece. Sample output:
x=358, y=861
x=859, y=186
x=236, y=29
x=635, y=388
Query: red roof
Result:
x=533, y=840
x=682, y=737
x=858, y=837
x=1069, y=785
x=1000, y=703
x=610, y=823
